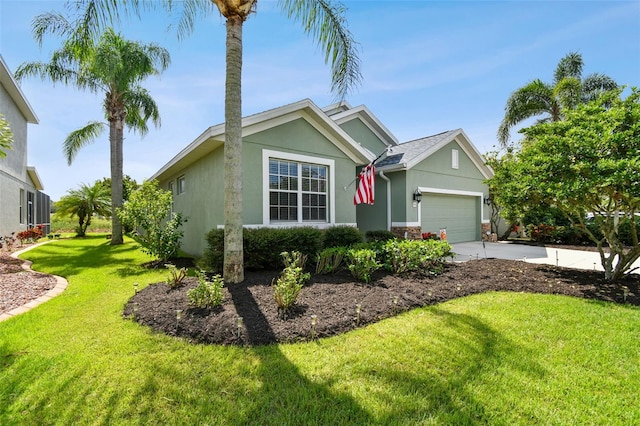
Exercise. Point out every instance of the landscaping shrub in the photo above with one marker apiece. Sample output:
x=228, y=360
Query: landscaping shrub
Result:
x=341, y=236
x=287, y=287
x=30, y=235
x=362, y=263
x=330, y=259
x=423, y=256
x=262, y=247
x=207, y=294
x=380, y=235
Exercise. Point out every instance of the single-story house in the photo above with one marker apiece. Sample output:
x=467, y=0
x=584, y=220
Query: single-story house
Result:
x=23, y=204
x=300, y=164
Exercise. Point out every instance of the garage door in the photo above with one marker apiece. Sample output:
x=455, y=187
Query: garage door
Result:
x=457, y=213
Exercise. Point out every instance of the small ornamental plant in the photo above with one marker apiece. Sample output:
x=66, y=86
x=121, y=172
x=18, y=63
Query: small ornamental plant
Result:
x=330, y=260
x=362, y=263
x=30, y=235
x=176, y=276
x=207, y=294
x=288, y=285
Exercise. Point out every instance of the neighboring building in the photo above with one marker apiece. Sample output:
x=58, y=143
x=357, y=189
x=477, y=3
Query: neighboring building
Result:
x=299, y=165
x=22, y=202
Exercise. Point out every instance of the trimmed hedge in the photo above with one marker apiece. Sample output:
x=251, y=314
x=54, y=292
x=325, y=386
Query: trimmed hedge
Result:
x=263, y=247
x=341, y=236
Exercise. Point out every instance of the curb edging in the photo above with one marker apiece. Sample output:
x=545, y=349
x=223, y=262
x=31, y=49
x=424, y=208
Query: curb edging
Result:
x=61, y=285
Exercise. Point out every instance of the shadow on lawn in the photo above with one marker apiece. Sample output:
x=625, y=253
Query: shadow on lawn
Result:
x=67, y=258
x=286, y=395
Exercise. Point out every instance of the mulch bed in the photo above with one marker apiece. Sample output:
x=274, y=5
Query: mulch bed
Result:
x=17, y=286
x=333, y=299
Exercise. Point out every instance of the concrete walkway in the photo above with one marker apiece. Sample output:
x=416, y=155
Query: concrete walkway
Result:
x=578, y=259
x=61, y=285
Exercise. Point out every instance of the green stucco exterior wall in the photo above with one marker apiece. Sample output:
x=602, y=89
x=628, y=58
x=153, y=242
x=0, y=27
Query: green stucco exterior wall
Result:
x=203, y=199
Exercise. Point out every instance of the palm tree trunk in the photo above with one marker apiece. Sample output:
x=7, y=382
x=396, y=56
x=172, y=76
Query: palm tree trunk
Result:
x=233, y=250
x=115, y=140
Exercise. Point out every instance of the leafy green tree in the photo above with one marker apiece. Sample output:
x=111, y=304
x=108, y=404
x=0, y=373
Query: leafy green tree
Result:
x=84, y=203
x=587, y=165
x=548, y=100
x=6, y=136
x=129, y=185
x=114, y=67
x=322, y=19
x=148, y=211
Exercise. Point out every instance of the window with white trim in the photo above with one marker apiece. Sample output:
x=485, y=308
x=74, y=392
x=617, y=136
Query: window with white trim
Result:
x=298, y=191
x=455, y=159
x=171, y=188
x=181, y=184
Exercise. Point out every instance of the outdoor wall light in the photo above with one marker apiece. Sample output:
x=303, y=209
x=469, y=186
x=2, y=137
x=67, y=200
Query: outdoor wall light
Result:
x=417, y=196
x=487, y=200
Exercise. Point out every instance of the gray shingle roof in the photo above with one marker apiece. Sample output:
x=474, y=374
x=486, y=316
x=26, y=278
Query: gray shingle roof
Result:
x=407, y=151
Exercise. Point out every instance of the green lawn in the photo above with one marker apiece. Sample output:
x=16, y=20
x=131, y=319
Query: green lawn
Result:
x=499, y=359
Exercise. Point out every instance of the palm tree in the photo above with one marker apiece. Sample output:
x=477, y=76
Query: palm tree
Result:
x=114, y=67
x=84, y=203
x=538, y=98
x=322, y=19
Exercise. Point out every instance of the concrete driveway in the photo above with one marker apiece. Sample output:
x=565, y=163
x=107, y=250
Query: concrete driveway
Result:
x=548, y=255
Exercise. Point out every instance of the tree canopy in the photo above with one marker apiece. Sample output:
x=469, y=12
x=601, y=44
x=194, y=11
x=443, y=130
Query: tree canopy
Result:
x=113, y=67
x=547, y=100
x=588, y=167
x=84, y=203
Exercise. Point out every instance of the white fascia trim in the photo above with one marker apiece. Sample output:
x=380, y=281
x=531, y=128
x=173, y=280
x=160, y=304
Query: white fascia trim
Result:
x=428, y=190
x=268, y=153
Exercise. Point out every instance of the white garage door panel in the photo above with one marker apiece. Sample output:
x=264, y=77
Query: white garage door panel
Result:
x=458, y=214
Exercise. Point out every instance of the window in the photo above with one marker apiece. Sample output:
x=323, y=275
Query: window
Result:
x=181, y=185
x=298, y=191
x=21, y=206
x=171, y=188
x=454, y=159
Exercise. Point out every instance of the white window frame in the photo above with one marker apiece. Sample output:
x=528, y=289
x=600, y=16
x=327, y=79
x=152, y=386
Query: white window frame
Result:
x=455, y=159
x=171, y=186
x=268, y=154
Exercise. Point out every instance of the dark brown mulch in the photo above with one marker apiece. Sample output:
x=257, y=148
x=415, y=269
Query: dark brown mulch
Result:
x=333, y=299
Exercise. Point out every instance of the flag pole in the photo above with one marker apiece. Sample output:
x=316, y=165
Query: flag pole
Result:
x=386, y=150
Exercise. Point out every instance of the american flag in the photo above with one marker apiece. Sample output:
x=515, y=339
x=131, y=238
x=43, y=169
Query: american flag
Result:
x=366, y=186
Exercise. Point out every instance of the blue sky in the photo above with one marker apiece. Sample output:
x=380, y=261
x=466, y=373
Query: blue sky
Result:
x=428, y=67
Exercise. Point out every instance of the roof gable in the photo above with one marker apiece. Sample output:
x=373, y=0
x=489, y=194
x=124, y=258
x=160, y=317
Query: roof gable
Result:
x=11, y=86
x=407, y=155
x=343, y=112
x=214, y=136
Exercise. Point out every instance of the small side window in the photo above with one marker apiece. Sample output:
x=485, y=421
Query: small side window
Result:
x=171, y=188
x=454, y=159
x=181, y=185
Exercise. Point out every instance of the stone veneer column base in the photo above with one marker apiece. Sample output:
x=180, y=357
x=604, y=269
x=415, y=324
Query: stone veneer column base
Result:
x=413, y=232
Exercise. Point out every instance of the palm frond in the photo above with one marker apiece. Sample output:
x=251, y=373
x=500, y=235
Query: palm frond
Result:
x=140, y=108
x=569, y=66
x=191, y=10
x=80, y=138
x=529, y=101
x=50, y=23
x=595, y=84
x=326, y=23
